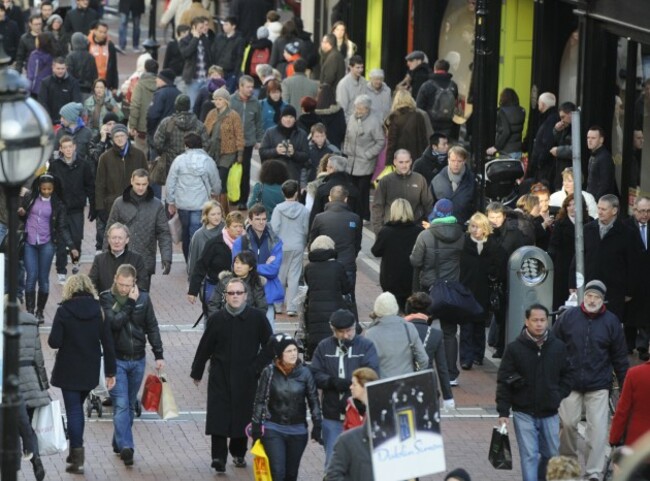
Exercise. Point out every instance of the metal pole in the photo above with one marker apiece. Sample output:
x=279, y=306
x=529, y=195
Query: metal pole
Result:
x=576, y=137
x=480, y=114
x=151, y=45
x=10, y=392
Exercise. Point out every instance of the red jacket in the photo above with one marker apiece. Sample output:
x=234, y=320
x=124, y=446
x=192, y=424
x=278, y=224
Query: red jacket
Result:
x=632, y=417
x=353, y=417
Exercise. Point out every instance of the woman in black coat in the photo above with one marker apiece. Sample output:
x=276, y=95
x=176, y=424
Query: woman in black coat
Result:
x=562, y=248
x=331, y=115
x=327, y=283
x=510, y=126
x=478, y=264
x=394, y=244
x=80, y=334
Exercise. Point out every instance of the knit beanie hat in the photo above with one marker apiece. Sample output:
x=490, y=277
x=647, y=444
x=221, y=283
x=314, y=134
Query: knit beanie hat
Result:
x=168, y=75
x=596, y=287
x=443, y=208
x=459, y=474
x=182, y=103
x=117, y=128
x=71, y=111
x=53, y=18
x=221, y=93
x=292, y=48
x=279, y=342
x=385, y=305
x=110, y=117
x=262, y=32
x=288, y=110
x=342, y=319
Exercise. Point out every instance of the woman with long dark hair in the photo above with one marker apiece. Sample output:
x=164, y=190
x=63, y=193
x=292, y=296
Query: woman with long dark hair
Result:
x=510, y=125
x=99, y=104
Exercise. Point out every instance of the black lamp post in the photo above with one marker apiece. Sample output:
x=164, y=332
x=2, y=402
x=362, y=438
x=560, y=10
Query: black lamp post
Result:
x=151, y=45
x=481, y=52
x=26, y=141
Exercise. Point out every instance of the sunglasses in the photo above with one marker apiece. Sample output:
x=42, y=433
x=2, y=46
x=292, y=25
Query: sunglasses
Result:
x=235, y=293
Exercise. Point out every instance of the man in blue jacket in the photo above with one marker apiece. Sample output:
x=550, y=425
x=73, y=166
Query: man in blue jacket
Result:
x=596, y=347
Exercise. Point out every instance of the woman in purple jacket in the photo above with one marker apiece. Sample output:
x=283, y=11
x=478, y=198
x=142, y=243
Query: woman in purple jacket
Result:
x=39, y=64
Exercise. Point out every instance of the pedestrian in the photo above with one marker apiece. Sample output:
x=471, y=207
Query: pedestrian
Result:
x=279, y=413
x=72, y=124
x=131, y=317
x=533, y=378
x=336, y=357
x=601, y=179
x=212, y=224
x=163, y=104
x=81, y=64
x=541, y=165
x=288, y=35
x=394, y=243
x=234, y=342
x=272, y=105
x=9, y=32
x=105, y=264
x=562, y=151
x=173, y=58
x=557, y=198
x=590, y=328
x=418, y=71
x=251, y=15
x=27, y=42
x=44, y=214
x=331, y=114
x=332, y=63
x=290, y=54
x=258, y=54
x=228, y=51
x=81, y=19
x=351, y=86
x=343, y=43
x=312, y=186
x=336, y=170
x=58, y=89
x=268, y=191
x=39, y=63
x=100, y=103
x=297, y=86
x=203, y=104
x=308, y=117
x=100, y=143
x=291, y=223
x=395, y=357
x=438, y=97
x=54, y=25
x=141, y=98
x=130, y=10
x=509, y=126
x=351, y=458
x=456, y=183
x=357, y=404
x=82, y=338
x=193, y=179
x=103, y=49
x=379, y=93
x=319, y=146
x=631, y=420
x=405, y=126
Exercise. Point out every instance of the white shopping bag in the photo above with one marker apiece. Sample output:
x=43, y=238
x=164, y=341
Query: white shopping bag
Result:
x=48, y=426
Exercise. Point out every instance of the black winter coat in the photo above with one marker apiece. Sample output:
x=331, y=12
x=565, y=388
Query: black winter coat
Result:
x=10, y=37
x=426, y=97
x=322, y=193
x=129, y=326
x=545, y=373
x=508, y=238
x=430, y=164
x=136, y=7
x=188, y=47
x=297, y=137
x=327, y=283
x=56, y=92
x=476, y=269
x=432, y=339
x=637, y=310
x=344, y=227
x=335, y=122
x=251, y=14
x=462, y=197
x=544, y=140
x=394, y=244
x=510, y=126
x=419, y=75
x=102, y=272
x=80, y=335
x=78, y=20
x=215, y=258
x=81, y=65
x=77, y=183
x=173, y=58
x=26, y=45
x=601, y=177
x=228, y=52
x=162, y=106
x=235, y=347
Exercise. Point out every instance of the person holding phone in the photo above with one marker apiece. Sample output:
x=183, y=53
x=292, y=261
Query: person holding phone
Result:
x=99, y=104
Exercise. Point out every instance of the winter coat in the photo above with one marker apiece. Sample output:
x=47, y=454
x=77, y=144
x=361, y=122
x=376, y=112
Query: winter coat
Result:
x=147, y=220
x=296, y=87
x=398, y=352
x=329, y=363
x=269, y=245
x=291, y=224
x=345, y=229
x=394, y=244
x=269, y=195
x=56, y=92
x=81, y=65
x=351, y=459
x=280, y=398
x=322, y=193
x=232, y=132
x=430, y=164
x=296, y=137
x=307, y=121
x=251, y=118
x=441, y=259
x=381, y=101
x=317, y=153
x=637, y=310
x=509, y=129
x=434, y=346
x=80, y=335
x=108, y=105
x=234, y=345
x=256, y=296
x=426, y=97
x=228, y=52
x=10, y=37
x=545, y=375
x=102, y=272
x=77, y=183
x=173, y=58
x=215, y=257
x=364, y=140
x=349, y=89
x=332, y=68
x=169, y=136
x=562, y=248
x=632, y=418
x=79, y=20
x=595, y=347
x=508, y=239
x=462, y=197
x=32, y=376
x=419, y=75
x=601, y=178
x=544, y=140
x=161, y=107
x=251, y=15
x=411, y=187
x=476, y=269
x=406, y=130
x=26, y=45
x=136, y=7
x=59, y=231
x=334, y=121
x=114, y=174
x=192, y=180
x=189, y=50
x=198, y=242
x=268, y=113
x=140, y=101
x=130, y=324
x=81, y=134
x=39, y=66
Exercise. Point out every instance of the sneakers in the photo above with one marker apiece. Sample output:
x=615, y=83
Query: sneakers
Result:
x=27, y=455
x=61, y=278
x=292, y=313
x=239, y=462
x=126, y=455
x=120, y=49
x=454, y=382
x=75, y=268
x=218, y=465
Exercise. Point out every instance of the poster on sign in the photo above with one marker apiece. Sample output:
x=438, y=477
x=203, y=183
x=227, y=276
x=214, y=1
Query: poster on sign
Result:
x=404, y=423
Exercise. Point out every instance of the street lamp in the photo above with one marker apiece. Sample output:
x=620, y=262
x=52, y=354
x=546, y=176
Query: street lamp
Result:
x=26, y=141
x=151, y=45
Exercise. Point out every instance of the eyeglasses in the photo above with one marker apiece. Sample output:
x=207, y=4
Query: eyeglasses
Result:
x=235, y=293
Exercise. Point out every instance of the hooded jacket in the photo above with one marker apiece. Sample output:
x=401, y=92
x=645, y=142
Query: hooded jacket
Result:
x=140, y=101
x=192, y=180
x=291, y=223
x=169, y=137
x=81, y=64
x=161, y=107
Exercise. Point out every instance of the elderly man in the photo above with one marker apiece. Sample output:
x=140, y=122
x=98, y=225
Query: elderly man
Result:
x=542, y=163
x=596, y=347
x=379, y=93
x=456, y=183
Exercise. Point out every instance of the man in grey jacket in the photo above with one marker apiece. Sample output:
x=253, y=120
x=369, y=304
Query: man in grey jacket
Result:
x=298, y=86
x=351, y=86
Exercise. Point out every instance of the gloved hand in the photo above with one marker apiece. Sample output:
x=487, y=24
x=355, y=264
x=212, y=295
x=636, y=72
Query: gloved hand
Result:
x=102, y=215
x=167, y=267
x=449, y=404
x=316, y=433
x=341, y=385
x=256, y=431
x=92, y=214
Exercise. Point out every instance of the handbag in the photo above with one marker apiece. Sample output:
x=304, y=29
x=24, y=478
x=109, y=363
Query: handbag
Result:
x=233, y=183
x=151, y=393
x=175, y=228
x=261, y=466
x=158, y=170
x=500, y=455
x=47, y=423
x=167, y=408
x=416, y=365
x=451, y=299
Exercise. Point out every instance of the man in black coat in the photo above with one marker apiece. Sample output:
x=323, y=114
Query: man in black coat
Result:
x=9, y=32
x=103, y=49
x=434, y=158
x=336, y=175
x=228, y=52
x=197, y=54
x=234, y=342
x=542, y=165
x=80, y=19
x=173, y=57
x=251, y=14
x=27, y=41
x=16, y=14
x=601, y=178
x=58, y=89
x=438, y=97
x=534, y=376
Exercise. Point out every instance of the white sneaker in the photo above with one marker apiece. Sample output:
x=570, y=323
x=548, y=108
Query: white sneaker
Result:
x=61, y=278
x=454, y=382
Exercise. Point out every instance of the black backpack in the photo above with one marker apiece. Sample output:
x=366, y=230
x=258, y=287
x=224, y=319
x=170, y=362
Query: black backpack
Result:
x=444, y=103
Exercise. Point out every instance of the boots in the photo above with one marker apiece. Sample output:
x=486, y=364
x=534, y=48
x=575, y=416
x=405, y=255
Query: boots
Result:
x=42, y=300
x=223, y=200
x=30, y=301
x=39, y=470
x=76, y=457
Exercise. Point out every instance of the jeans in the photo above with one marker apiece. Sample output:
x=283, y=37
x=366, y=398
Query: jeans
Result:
x=38, y=261
x=539, y=441
x=472, y=342
x=331, y=432
x=124, y=25
x=76, y=230
x=74, y=410
x=190, y=221
x=449, y=329
x=220, y=447
x=124, y=396
x=284, y=452
x=193, y=89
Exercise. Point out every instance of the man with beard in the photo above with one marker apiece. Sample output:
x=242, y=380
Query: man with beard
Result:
x=596, y=347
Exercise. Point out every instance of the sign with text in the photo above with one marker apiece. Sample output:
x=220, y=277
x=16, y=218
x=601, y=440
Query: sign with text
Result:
x=404, y=423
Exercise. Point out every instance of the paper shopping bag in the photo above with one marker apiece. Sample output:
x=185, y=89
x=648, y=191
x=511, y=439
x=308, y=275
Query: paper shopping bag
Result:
x=48, y=426
x=151, y=393
x=167, y=409
x=500, y=455
x=261, y=466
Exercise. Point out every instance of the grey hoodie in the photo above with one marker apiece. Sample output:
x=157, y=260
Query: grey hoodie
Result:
x=290, y=222
x=192, y=179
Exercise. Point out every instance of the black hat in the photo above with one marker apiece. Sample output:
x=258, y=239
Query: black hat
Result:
x=458, y=473
x=110, y=117
x=342, y=319
x=279, y=342
x=288, y=110
x=182, y=103
x=415, y=55
x=168, y=75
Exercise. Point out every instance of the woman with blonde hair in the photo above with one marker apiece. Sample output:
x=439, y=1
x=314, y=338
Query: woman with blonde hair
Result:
x=212, y=225
x=406, y=128
x=394, y=243
x=478, y=268
x=80, y=335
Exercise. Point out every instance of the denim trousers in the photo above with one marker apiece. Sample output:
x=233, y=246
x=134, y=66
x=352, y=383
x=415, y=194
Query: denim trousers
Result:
x=124, y=396
x=331, y=431
x=538, y=440
x=284, y=452
x=38, y=261
x=190, y=222
x=194, y=87
x=74, y=410
x=124, y=25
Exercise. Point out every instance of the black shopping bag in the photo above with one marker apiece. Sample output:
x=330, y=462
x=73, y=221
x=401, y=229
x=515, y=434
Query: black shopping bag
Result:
x=500, y=455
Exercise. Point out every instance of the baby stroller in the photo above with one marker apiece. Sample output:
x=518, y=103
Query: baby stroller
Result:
x=95, y=399
x=501, y=177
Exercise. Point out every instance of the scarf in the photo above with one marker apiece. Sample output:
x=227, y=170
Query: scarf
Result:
x=456, y=178
x=122, y=152
x=277, y=108
x=537, y=340
x=604, y=229
x=592, y=315
x=286, y=132
x=227, y=239
x=479, y=244
x=235, y=312
x=120, y=300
